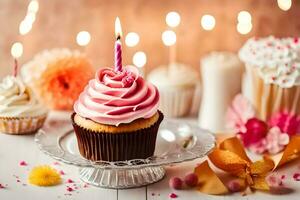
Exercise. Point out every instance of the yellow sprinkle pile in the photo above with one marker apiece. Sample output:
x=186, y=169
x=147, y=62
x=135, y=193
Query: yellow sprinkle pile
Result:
x=44, y=176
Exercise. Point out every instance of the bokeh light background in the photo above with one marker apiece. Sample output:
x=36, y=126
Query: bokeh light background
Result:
x=206, y=25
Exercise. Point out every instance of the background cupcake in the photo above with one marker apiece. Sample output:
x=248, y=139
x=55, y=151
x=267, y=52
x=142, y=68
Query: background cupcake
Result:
x=116, y=116
x=58, y=76
x=273, y=74
x=176, y=84
x=20, y=111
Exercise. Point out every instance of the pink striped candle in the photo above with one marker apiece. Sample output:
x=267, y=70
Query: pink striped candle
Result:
x=118, y=46
x=15, y=71
x=118, y=55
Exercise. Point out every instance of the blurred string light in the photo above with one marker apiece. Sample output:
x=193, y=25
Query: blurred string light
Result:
x=173, y=19
x=169, y=38
x=208, y=22
x=26, y=24
x=139, y=59
x=244, y=25
x=132, y=39
x=83, y=38
x=284, y=5
x=244, y=17
x=16, y=50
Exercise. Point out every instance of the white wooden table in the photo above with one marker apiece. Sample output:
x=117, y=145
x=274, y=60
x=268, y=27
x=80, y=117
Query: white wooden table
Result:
x=14, y=149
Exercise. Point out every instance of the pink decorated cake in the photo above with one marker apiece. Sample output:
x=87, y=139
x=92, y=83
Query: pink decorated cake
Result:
x=116, y=116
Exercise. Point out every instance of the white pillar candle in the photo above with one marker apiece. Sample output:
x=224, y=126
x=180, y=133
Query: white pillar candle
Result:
x=221, y=75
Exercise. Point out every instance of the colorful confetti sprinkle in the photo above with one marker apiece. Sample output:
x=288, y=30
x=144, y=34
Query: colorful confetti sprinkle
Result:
x=23, y=163
x=69, y=189
x=70, y=181
x=173, y=195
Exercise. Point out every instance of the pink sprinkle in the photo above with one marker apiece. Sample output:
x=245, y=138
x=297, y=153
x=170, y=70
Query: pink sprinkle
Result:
x=56, y=163
x=173, y=195
x=69, y=189
x=23, y=163
x=61, y=172
x=17, y=177
x=85, y=185
x=2, y=186
x=296, y=177
x=283, y=176
x=70, y=181
x=153, y=194
x=18, y=181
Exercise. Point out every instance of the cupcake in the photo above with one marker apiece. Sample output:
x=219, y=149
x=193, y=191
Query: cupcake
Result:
x=116, y=117
x=53, y=76
x=272, y=74
x=176, y=84
x=20, y=111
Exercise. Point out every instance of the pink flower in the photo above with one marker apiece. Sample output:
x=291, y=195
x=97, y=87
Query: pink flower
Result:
x=239, y=113
x=259, y=147
x=276, y=140
x=256, y=130
x=288, y=123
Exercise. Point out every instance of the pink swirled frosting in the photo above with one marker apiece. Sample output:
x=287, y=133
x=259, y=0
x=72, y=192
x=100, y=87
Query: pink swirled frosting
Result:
x=113, y=97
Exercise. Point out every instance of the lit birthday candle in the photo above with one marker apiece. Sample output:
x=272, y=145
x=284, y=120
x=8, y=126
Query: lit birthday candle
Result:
x=16, y=52
x=118, y=45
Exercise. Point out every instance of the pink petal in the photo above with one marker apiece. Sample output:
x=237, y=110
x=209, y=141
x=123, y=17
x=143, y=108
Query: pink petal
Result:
x=173, y=195
x=284, y=139
x=239, y=113
x=296, y=177
x=23, y=163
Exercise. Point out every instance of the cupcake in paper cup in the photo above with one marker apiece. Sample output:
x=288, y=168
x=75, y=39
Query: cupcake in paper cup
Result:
x=116, y=117
x=176, y=84
x=20, y=111
x=273, y=74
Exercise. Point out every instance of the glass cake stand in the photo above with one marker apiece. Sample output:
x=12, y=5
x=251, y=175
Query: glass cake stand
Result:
x=177, y=142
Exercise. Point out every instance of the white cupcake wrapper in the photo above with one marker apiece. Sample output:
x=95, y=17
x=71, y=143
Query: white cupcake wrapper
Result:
x=271, y=98
x=176, y=102
x=21, y=125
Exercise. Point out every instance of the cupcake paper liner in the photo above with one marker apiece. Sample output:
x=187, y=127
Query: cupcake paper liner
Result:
x=176, y=102
x=21, y=125
x=102, y=146
x=271, y=98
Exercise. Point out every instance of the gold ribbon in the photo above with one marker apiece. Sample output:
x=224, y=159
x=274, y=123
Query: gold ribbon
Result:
x=231, y=157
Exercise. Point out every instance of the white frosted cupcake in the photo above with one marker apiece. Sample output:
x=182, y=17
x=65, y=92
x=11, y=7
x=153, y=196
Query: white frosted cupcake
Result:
x=20, y=111
x=176, y=84
x=273, y=74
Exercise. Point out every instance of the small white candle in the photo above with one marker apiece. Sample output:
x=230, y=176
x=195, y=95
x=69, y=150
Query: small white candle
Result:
x=169, y=39
x=16, y=52
x=221, y=74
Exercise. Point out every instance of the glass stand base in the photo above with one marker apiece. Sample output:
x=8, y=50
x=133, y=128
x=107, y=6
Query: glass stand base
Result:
x=121, y=178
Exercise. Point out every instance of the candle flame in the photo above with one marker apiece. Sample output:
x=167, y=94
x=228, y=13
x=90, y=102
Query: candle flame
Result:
x=118, y=28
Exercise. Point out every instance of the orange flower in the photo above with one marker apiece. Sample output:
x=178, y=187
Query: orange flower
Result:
x=63, y=80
